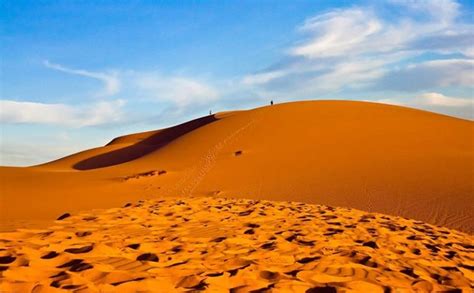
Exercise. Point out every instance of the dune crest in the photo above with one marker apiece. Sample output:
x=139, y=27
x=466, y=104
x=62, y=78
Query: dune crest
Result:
x=369, y=156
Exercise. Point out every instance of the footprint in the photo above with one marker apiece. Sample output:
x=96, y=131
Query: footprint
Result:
x=50, y=255
x=70, y=263
x=305, y=260
x=83, y=249
x=58, y=278
x=367, y=262
x=134, y=245
x=268, y=245
x=327, y=289
x=371, y=244
x=148, y=257
x=245, y=213
x=269, y=275
x=249, y=232
x=7, y=259
x=127, y=281
x=80, y=267
x=177, y=249
x=219, y=239
x=83, y=233
x=71, y=287
x=409, y=272
x=293, y=273
x=63, y=216
x=306, y=243
x=178, y=263
x=291, y=238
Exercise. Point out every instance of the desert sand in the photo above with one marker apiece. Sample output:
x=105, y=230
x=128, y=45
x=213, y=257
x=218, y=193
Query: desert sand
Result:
x=373, y=157
x=235, y=245
x=318, y=196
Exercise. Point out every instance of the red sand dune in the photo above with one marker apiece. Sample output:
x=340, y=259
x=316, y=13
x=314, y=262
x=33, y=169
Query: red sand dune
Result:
x=369, y=156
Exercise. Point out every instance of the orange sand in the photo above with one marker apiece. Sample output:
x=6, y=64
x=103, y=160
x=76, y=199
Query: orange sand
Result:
x=235, y=245
x=369, y=156
x=185, y=234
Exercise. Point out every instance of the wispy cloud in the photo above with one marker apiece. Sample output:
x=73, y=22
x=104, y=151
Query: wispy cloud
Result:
x=437, y=99
x=27, y=154
x=356, y=49
x=110, y=80
x=99, y=113
x=429, y=74
x=445, y=11
x=179, y=91
x=437, y=102
x=339, y=32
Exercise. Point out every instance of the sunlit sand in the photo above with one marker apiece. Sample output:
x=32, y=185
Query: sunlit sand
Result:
x=310, y=196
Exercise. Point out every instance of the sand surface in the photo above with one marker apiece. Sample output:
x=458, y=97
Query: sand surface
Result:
x=235, y=245
x=369, y=156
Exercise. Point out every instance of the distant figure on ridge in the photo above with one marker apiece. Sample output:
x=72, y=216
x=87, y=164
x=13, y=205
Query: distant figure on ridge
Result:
x=271, y=103
x=210, y=112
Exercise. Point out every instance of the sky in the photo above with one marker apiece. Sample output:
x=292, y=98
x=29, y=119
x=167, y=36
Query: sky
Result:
x=76, y=74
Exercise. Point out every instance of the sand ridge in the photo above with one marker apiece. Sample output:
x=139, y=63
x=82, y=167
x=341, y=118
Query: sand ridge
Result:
x=235, y=245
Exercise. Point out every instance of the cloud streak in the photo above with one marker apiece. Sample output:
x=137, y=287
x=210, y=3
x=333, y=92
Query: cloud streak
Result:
x=437, y=99
x=99, y=113
x=437, y=102
x=430, y=74
x=179, y=91
x=110, y=80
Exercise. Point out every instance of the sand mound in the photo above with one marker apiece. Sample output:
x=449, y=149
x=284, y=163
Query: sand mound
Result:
x=235, y=245
x=369, y=156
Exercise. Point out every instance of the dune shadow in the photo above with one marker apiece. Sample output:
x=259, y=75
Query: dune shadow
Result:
x=143, y=147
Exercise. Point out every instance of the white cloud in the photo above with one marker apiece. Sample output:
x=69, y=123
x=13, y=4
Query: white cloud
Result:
x=27, y=154
x=110, y=80
x=170, y=91
x=437, y=102
x=351, y=73
x=443, y=10
x=103, y=112
x=437, y=99
x=180, y=91
x=259, y=78
x=355, y=48
x=430, y=74
x=338, y=32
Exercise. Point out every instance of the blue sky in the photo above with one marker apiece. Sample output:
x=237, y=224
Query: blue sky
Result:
x=75, y=74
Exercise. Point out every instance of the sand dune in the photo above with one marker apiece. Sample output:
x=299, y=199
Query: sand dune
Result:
x=369, y=156
x=235, y=245
x=326, y=196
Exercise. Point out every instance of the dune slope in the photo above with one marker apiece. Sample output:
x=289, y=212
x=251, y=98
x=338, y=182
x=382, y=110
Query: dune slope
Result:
x=369, y=156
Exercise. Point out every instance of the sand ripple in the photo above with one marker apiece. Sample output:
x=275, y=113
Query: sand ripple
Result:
x=230, y=245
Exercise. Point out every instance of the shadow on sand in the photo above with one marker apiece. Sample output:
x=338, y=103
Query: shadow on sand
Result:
x=143, y=147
